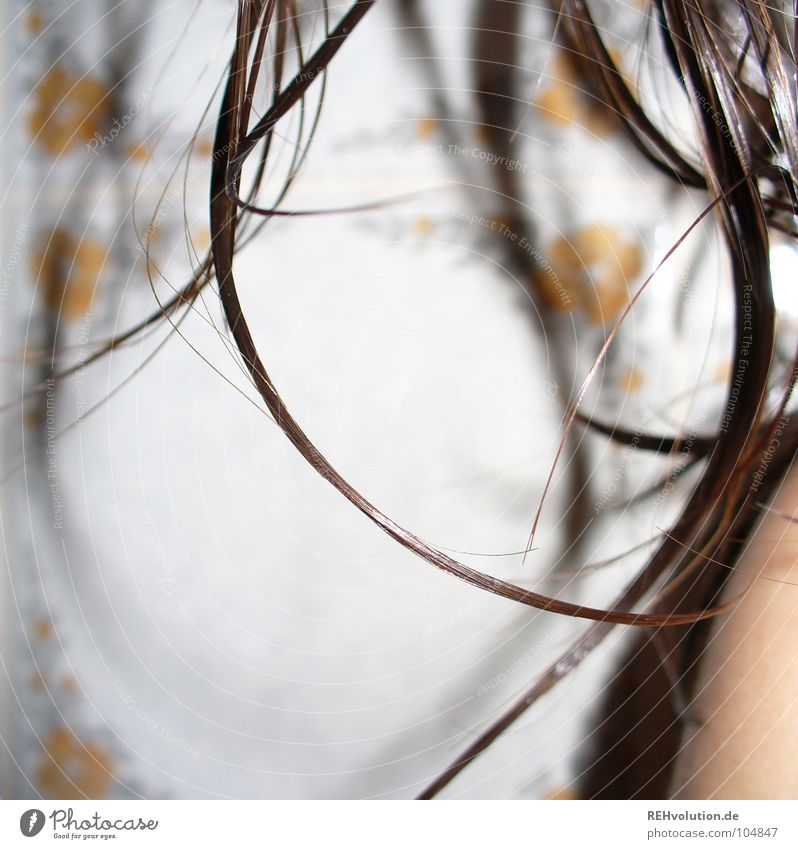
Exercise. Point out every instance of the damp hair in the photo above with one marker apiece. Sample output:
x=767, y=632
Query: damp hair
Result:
x=736, y=66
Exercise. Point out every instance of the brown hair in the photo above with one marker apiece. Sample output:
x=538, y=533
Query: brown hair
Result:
x=736, y=65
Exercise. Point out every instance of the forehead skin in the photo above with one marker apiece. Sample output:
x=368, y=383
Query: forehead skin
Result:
x=746, y=699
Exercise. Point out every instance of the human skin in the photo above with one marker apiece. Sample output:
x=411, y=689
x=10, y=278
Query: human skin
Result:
x=745, y=741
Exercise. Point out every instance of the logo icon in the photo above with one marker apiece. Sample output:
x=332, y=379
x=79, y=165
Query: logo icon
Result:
x=31, y=822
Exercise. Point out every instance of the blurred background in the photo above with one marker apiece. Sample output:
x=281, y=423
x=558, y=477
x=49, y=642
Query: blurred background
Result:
x=189, y=610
